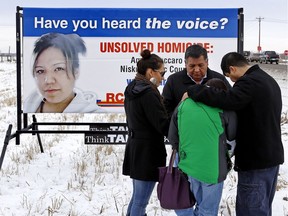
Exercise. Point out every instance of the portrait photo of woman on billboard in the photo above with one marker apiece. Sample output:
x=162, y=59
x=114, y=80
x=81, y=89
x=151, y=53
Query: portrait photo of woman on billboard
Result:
x=55, y=71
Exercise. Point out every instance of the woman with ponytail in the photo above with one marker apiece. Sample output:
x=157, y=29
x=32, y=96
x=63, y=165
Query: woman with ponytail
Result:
x=148, y=122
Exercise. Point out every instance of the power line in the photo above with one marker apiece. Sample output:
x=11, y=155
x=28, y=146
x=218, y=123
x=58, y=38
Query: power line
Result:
x=268, y=20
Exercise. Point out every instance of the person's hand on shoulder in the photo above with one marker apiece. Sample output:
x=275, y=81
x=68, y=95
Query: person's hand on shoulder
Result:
x=185, y=95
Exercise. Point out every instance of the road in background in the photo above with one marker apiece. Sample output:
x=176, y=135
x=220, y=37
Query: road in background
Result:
x=280, y=73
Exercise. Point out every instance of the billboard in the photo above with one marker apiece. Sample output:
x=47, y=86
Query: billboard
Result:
x=101, y=46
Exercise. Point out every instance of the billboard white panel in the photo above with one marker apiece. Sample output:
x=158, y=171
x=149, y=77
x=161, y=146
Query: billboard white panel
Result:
x=114, y=39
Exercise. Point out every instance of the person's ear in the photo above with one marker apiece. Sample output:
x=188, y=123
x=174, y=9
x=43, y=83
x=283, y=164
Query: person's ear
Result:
x=150, y=72
x=232, y=69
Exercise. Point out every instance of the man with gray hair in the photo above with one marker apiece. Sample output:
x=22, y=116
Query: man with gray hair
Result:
x=196, y=72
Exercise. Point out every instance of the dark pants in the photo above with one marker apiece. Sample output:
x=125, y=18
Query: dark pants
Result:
x=255, y=192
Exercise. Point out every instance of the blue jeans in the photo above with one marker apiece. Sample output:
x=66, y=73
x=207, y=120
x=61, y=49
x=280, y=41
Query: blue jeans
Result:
x=208, y=197
x=255, y=191
x=142, y=191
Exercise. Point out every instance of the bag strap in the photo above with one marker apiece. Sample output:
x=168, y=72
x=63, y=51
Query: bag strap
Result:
x=172, y=159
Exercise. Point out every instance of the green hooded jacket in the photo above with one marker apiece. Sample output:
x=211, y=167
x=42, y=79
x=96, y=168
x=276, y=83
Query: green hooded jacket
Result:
x=200, y=131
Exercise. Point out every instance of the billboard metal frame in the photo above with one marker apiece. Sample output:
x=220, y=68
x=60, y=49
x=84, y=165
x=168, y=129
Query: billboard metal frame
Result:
x=23, y=127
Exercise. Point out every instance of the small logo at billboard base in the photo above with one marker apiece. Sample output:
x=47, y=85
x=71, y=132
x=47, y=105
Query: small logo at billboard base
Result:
x=112, y=100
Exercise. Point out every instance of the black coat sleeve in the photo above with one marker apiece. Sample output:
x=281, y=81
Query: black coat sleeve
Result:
x=173, y=135
x=155, y=112
x=234, y=99
x=169, y=97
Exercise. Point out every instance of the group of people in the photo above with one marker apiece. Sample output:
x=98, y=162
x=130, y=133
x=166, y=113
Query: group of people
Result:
x=200, y=112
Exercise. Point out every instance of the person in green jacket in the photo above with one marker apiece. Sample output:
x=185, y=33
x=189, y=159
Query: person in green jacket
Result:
x=200, y=134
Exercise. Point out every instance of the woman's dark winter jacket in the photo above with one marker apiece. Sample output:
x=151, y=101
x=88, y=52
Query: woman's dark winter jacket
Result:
x=148, y=123
x=256, y=98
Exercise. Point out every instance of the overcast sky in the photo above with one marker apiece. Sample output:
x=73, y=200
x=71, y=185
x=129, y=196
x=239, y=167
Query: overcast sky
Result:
x=273, y=14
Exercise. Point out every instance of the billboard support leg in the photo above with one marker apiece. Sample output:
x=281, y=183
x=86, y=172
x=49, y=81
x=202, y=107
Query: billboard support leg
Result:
x=6, y=142
x=38, y=135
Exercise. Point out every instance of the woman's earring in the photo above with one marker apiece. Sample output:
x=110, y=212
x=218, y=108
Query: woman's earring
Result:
x=153, y=80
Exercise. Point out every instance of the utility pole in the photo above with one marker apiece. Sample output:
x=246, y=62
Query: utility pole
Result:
x=259, y=44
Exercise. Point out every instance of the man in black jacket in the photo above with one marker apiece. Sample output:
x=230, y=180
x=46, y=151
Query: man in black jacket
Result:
x=196, y=72
x=256, y=98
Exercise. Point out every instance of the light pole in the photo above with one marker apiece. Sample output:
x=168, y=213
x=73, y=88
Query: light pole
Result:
x=259, y=38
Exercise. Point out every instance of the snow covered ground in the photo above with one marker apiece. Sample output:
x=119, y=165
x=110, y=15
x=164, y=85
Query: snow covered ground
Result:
x=71, y=178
